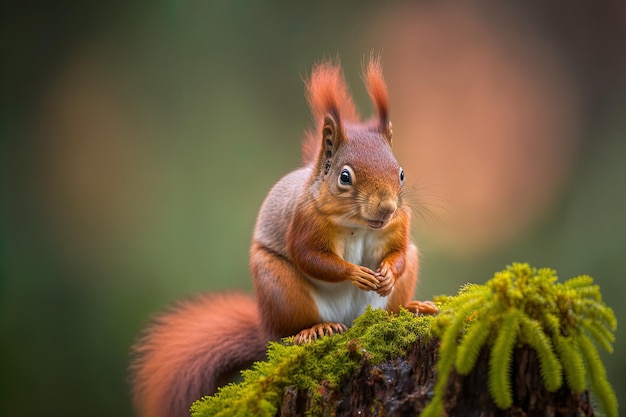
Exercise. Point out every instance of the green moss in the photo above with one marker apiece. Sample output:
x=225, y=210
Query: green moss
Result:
x=526, y=306
x=518, y=306
x=377, y=335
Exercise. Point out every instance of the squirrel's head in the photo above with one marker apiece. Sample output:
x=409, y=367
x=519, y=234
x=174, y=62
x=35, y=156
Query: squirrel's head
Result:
x=357, y=180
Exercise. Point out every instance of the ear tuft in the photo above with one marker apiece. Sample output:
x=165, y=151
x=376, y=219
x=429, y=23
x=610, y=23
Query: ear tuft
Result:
x=377, y=89
x=328, y=95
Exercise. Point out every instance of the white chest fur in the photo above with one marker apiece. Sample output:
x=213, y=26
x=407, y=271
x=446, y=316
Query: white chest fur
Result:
x=343, y=302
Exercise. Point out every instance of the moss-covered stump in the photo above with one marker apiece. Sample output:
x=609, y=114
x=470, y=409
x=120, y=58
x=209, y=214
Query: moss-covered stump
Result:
x=395, y=387
x=315, y=371
x=404, y=386
x=520, y=345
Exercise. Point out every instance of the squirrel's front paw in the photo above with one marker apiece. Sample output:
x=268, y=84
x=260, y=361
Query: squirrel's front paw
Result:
x=365, y=278
x=317, y=331
x=386, y=280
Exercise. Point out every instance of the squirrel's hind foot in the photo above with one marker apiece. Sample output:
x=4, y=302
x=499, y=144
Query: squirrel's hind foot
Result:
x=422, y=307
x=317, y=331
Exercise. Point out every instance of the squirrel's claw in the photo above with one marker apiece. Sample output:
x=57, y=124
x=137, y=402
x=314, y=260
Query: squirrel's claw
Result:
x=317, y=331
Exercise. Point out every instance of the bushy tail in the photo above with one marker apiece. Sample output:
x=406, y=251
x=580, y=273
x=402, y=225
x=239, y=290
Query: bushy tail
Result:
x=193, y=349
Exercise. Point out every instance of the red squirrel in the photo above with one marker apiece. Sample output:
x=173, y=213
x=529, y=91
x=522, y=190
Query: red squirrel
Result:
x=331, y=238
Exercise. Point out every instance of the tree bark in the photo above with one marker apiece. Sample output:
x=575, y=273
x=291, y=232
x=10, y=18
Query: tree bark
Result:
x=404, y=386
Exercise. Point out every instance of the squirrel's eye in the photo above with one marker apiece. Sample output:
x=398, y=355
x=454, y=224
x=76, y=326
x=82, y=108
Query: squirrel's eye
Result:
x=401, y=176
x=345, y=178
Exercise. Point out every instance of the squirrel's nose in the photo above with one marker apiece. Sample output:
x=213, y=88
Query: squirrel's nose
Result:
x=387, y=207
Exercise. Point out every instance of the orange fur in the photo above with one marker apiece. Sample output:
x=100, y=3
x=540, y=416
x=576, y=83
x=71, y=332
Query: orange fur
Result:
x=377, y=89
x=276, y=278
x=327, y=93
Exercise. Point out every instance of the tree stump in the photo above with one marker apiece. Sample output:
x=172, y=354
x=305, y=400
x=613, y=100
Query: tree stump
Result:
x=404, y=386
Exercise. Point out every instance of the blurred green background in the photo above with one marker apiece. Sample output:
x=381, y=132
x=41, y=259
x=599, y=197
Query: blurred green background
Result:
x=139, y=139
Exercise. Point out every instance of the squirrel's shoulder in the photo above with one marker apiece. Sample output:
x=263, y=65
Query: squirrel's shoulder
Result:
x=278, y=208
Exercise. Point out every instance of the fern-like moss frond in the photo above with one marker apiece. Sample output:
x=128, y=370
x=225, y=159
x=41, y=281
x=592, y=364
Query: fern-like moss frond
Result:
x=549, y=364
x=500, y=360
x=595, y=310
x=572, y=361
x=448, y=347
x=451, y=321
x=551, y=322
x=597, y=375
x=467, y=294
x=579, y=282
x=602, y=336
x=470, y=346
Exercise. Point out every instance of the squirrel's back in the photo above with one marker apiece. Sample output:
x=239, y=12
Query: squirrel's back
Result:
x=279, y=205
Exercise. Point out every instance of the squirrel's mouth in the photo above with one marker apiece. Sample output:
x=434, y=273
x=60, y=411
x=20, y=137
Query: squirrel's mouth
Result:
x=377, y=224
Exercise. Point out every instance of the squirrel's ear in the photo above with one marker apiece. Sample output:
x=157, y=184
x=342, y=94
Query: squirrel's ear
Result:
x=329, y=131
x=331, y=137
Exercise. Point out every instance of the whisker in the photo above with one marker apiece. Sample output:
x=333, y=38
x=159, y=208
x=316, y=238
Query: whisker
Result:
x=426, y=205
